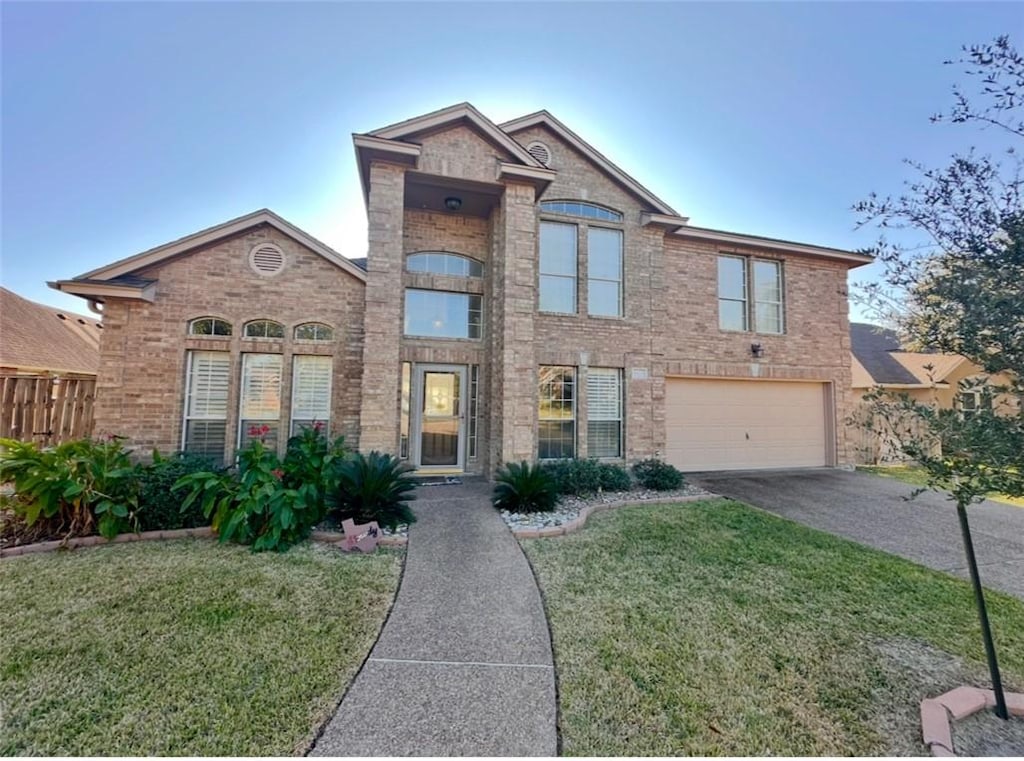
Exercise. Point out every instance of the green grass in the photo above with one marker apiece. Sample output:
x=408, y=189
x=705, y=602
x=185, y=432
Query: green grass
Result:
x=182, y=648
x=916, y=476
x=712, y=628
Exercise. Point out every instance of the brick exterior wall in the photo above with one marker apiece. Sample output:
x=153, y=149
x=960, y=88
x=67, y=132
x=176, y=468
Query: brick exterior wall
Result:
x=669, y=328
x=141, y=383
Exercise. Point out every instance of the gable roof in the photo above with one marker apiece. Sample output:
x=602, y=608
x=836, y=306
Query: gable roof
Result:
x=119, y=279
x=873, y=346
x=464, y=112
x=38, y=337
x=880, y=354
x=545, y=119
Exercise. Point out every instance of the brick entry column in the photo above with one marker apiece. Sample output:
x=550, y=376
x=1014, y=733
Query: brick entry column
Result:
x=383, y=316
x=514, y=366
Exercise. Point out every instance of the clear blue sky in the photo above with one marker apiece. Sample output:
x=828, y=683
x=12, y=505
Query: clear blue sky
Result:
x=128, y=125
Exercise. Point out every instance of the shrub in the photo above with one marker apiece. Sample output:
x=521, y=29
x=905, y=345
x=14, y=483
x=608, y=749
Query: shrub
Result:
x=76, y=488
x=614, y=477
x=373, y=487
x=576, y=477
x=159, y=507
x=313, y=459
x=525, y=488
x=253, y=505
x=657, y=475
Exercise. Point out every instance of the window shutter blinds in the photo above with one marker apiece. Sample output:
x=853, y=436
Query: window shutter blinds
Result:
x=604, y=412
x=311, y=391
x=206, y=404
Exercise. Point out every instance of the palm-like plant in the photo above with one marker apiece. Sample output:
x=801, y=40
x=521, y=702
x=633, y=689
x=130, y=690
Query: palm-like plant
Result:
x=373, y=487
x=524, y=488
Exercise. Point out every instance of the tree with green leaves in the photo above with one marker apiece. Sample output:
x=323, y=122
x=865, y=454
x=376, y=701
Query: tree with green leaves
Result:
x=957, y=287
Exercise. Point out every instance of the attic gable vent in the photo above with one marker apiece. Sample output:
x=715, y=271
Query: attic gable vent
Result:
x=540, y=152
x=266, y=259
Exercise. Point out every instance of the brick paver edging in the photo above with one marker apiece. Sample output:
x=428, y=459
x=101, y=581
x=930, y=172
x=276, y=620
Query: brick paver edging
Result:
x=579, y=521
x=203, y=532
x=938, y=713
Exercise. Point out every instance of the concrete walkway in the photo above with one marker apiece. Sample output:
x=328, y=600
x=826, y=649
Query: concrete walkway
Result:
x=873, y=510
x=463, y=666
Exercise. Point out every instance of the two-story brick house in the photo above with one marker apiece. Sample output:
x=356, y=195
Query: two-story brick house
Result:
x=522, y=298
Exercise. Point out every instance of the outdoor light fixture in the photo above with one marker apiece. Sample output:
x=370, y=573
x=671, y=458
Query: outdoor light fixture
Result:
x=452, y=203
x=757, y=350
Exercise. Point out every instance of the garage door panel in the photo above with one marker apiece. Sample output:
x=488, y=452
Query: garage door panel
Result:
x=729, y=425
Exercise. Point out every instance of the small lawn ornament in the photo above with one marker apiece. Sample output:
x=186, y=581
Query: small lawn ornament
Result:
x=361, y=538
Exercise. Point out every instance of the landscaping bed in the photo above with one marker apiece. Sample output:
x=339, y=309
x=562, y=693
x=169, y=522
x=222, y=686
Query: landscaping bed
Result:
x=712, y=628
x=182, y=647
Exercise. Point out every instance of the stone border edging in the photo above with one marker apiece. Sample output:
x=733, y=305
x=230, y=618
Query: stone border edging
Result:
x=202, y=532
x=938, y=713
x=580, y=520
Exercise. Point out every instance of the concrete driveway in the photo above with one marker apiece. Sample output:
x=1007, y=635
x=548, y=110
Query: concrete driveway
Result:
x=872, y=510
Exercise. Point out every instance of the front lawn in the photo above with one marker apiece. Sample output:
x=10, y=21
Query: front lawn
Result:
x=712, y=628
x=916, y=476
x=182, y=648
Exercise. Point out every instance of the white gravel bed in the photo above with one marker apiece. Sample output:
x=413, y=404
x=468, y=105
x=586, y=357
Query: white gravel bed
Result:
x=569, y=507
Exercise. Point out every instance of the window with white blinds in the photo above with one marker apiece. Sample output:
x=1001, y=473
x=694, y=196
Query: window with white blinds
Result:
x=206, y=404
x=260, y=399
x=604, y=412
x=311, y=392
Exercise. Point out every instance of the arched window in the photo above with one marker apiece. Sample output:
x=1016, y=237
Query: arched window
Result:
x=314, y=331
x=581, y=209
x=440, y=263
x=209, y=326
x=264, y=329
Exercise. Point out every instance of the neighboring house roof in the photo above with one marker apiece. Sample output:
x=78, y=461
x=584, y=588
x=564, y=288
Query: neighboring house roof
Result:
x=35, y=337
x=360, y=262
x=879, y=359
x=117, y=279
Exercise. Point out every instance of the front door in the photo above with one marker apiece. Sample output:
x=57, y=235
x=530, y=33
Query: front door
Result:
x=440, y=416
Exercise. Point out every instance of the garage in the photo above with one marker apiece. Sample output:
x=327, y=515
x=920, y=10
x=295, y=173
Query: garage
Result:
x=744, y=424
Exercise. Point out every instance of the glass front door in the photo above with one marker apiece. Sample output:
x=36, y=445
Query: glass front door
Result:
x=441, y=416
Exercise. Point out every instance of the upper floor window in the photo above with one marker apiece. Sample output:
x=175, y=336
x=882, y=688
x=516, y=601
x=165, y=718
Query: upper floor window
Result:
x=314, y=331
x=557, y=267
x=971, y=401
x=581, y=209
x=604, y=272
x=750, y=294
x=209, y=326
x=442, y=314
x=440, y=263
x=264, y=329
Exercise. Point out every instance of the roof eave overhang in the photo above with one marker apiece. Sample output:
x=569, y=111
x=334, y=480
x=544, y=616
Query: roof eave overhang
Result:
x=538, y=177
x=669, y=222
x=210, y=235
x=371, y=148
x=851, y=258
x=906, y=386
x=101, y=291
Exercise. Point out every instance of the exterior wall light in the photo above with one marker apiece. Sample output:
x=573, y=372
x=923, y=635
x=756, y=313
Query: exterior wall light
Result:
x=757, y=350
x=452, y=203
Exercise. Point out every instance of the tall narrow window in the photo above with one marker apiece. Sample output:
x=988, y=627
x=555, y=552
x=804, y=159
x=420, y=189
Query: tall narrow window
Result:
x=556, y=436
x=604, y=412
x=206, y=404
x=604, y=272
x=474, y=402
x=767, y=297
x=403, y=438
x=732, y=293
x=260, y=403
x=557, y=267
x=311, y=392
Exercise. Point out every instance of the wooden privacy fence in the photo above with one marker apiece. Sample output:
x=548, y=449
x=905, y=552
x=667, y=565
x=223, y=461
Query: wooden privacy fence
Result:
x=46, y=410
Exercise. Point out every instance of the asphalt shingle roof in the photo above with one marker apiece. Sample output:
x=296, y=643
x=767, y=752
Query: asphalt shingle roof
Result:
x=873, y=347
x=40, y=337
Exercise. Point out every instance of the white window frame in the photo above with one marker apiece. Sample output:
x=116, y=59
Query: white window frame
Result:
x=750, y=301
x=471, y=298
x=189, y=390
x=619, y=310
x=243, y=421
x=574, y=277
x=618, y=417
x=575, y=411
x=297, y=360
x=780, y=304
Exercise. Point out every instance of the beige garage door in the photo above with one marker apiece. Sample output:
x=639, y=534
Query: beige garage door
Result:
x=734, y=425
